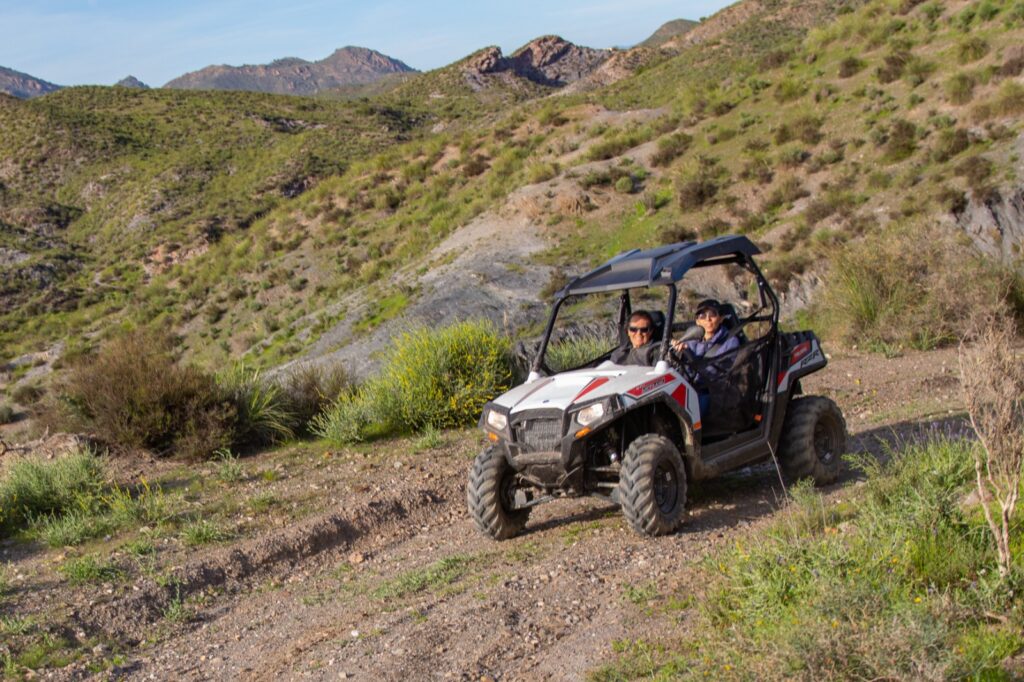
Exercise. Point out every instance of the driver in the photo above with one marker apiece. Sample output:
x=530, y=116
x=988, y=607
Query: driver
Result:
x=642, y=350
x=716, y=341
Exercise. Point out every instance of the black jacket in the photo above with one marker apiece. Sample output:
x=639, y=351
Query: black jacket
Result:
x=646, y=354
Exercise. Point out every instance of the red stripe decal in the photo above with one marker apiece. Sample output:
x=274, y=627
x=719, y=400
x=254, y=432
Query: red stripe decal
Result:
x=649, y=386
x=680, y=394
x=782, y=375
x=596, y=383
x=800, y=351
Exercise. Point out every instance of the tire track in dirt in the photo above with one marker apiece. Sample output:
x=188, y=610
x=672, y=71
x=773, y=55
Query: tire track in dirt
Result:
x=545, y=605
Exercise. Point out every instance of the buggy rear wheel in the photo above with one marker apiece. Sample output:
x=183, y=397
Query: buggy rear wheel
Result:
x=813, y=439
x=490, y=496
x=652, y=485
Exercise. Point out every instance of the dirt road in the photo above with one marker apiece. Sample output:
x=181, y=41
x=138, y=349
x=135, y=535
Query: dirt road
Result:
x=385, y=577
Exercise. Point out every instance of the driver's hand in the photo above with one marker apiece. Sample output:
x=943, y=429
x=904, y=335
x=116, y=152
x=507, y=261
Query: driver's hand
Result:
x=677, y=345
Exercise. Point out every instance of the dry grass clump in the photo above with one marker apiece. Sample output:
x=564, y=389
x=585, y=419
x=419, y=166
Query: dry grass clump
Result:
x=992, y=378
x=132, y=392
x=911, y=286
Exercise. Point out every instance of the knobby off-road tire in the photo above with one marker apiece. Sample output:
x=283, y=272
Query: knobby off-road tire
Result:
x=490, y=494
x=652, y=485
x=813, y=440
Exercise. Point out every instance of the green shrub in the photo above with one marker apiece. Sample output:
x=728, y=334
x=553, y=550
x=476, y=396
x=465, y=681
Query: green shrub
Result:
x=89, y=569
x=203, y=532
x=902, y=141
x=789, y=89
x=429, y=378
x=541, y=172
x=625, y=185
x=262, y=414
x=960, y=88
x=700, y=186
x=893, y=66
x=950, y=143
x=71, y=528
x=788, y=191
x=971, y=49
x=850, y=66
x=6, y=414
x=36, y=488
x=27, y=394
x=976, y=170
x=133, y=393
x=671, y=147
x=806, y=128
x=573, y=352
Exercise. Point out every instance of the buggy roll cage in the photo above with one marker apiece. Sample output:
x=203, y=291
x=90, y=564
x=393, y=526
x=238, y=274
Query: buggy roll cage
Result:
x=663, y=266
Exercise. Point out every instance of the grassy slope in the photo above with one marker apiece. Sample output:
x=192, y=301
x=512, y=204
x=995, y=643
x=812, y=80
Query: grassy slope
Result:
x=894, y=581
x=735, y=104
x=105, y=184
x=259, y=272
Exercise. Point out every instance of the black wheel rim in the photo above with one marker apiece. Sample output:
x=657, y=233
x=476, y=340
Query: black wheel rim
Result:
x=507, y=494
x=826, y=441
x=666, y=487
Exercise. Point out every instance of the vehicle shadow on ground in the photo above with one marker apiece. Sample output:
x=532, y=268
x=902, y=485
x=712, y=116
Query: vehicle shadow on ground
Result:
x=748, y=494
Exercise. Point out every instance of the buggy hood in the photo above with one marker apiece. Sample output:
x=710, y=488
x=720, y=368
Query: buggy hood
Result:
x=582, y=386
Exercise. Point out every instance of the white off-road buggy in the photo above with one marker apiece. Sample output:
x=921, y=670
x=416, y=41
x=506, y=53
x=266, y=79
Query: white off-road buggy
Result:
x=635, y=434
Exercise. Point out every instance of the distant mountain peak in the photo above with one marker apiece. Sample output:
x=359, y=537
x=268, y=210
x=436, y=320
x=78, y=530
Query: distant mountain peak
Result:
x=668, y=31
x=294, y=76
x=22, y=85
x=131, y=82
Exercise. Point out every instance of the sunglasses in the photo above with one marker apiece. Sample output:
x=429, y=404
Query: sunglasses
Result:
x=706, y=314
x=639, y=330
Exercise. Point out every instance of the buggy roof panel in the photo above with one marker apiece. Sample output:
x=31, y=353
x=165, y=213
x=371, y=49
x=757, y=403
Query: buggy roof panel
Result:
x=661, y=265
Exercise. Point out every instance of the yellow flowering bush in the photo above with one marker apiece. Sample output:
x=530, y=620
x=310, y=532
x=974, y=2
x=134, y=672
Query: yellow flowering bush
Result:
x=436, y=378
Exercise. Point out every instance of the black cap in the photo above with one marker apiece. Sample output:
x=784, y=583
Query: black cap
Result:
x=709, y=304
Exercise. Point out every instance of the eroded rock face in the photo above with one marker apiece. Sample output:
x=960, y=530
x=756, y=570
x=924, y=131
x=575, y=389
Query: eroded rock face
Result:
x=996, y=226
x=549, y=60
x=487, y=60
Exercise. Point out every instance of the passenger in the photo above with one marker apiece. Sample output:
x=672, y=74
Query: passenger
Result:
x=641, y=350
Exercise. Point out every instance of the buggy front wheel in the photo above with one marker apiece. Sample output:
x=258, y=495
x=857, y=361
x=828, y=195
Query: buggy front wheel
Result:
x=652, y=485
x=490, y=496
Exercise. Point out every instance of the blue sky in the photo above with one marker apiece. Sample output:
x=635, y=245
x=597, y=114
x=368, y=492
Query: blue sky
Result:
x=75, y=42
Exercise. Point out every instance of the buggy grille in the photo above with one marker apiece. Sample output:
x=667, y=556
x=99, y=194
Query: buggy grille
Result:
x=538, y=435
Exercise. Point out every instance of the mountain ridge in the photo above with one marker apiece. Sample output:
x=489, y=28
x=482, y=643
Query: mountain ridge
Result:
x=23, y=85
x=345, y=66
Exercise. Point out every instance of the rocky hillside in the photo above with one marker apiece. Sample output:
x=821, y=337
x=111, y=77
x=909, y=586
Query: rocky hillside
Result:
x=292, y=76
x=22, y=85
x=841, y=138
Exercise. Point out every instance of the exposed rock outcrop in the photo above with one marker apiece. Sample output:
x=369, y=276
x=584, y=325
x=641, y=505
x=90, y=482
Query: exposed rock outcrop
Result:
x=548, y=60
x=996, y=226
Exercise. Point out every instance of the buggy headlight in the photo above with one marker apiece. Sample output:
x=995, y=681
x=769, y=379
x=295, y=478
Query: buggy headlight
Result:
x=590, y=414
x=497, y=420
